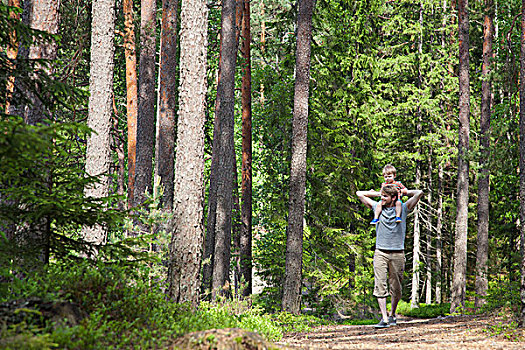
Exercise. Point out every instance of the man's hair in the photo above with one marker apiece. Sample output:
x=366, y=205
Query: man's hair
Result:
x=389, y=169
x=391, y=191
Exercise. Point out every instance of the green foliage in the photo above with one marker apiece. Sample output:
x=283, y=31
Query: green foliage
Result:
x=297, y=323
x=22, y=337
x=508, y=329
x=42, y=189
x=124, y=308
x=424, y=310
x=357, y=322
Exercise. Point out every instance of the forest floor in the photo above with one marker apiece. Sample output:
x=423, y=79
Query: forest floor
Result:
x=452, y=332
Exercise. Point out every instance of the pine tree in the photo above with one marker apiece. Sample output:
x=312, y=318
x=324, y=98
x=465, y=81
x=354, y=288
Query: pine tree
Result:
x=131, y=94
x=166, y=118
x=294, y=242
x=98, y=150
x=483, y=182
x=460, y=249
x=187, y=233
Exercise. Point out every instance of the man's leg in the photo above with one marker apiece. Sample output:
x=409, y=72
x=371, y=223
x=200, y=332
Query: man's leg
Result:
x=395, y=301
x=395, y=277
x=380, y=284
x=382, y=307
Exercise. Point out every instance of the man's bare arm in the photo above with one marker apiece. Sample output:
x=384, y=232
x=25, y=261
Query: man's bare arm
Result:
x=364, y=196
x=415, y=196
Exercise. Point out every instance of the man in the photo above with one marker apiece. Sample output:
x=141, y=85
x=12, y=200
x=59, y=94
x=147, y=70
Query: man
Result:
x=389, y=256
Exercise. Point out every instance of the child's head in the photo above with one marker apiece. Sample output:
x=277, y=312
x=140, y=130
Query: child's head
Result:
x=389, y=173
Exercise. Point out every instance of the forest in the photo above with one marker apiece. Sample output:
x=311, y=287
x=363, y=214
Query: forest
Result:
x=169, y=167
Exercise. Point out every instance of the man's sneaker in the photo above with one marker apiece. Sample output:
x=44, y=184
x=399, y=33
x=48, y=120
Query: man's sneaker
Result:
x=392, y=320
x=398, y=219
x=382, y=324
x=374, y=222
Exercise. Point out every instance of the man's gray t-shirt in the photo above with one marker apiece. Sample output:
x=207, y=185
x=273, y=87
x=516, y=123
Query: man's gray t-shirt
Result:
x=390, y=235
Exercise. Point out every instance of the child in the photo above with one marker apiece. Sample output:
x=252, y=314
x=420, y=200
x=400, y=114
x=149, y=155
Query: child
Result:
x=389, y=174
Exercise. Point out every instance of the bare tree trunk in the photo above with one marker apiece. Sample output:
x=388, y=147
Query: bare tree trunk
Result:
x=146, y=110
x=460, y=249
x=522, y=164
x=225, y=148
x=12, y=51
x=428, y=265
x=439, y=235
x=131, y=94
x=98, y=151
x=414, y=298
x=294, y=232
x=165, y=143
x=188, y=232
x=246, y=183
x=483, y=184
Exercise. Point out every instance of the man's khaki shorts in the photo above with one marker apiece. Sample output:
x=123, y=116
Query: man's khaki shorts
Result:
x=391, y=264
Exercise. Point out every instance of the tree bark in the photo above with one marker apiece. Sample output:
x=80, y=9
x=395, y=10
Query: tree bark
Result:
x=187, y=233
x=146, y=110
x=428, y=262
x=246, y=182
x=416, y=252
x=483, y=182
x=439, y=235
x=460, y=248
x=414, y=298
x=294, y=232
x=12, y=52
x=522, y=164
x=225, y=148
x=98, y=150
x=165, y=142
x=131, y=94
x=40, y=15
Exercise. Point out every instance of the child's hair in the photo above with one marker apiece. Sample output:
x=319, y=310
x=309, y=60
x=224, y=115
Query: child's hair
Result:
x=391, y=191
x=389, y=169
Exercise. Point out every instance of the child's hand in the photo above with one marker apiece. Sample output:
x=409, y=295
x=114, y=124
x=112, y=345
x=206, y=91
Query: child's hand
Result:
x=404, y=191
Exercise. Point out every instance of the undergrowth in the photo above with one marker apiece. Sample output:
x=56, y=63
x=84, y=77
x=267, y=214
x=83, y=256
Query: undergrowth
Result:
x=123, y=308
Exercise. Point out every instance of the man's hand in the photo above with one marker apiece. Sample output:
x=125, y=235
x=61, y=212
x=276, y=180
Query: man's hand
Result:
x=364, y=196
x=415, y=196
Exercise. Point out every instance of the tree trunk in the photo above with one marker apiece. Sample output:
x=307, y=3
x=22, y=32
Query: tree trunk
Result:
x=224, y=148
x=131, y=94
x=483, y=184
x=40, y=15
x=294, y=231
x=146, y=110
x=165, y=143
x=98, y=150
x=187, y=233
x=246, y=183
x=428, y=262
x=439, y=235
x=460, y=249
x=522, y=163
x=12, y=51
x=414, y=298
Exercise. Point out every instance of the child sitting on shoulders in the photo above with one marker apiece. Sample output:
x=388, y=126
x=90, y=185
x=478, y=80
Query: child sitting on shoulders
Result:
x=389, y=174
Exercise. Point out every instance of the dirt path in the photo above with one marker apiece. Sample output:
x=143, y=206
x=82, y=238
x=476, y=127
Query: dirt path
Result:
x=462, y=332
